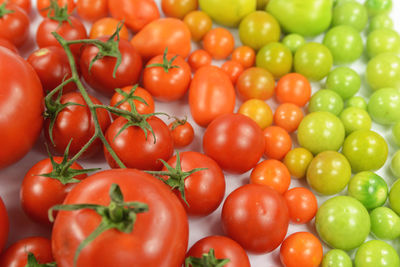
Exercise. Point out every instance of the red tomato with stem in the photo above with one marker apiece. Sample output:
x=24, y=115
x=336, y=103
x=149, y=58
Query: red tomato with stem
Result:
x=293, y=88
x=288, y=116
x=199, y=58
x=272, y=173
x=233, y=69
x=302, y=204
x=92, y=9
x=182, y=132
x=43, y=5
x=24, y=4
x=4, y=225
x=7, y=44
x=277, y=142
x=14, y=24
x=219, y=43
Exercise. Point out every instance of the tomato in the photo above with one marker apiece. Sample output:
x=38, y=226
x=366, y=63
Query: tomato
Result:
x=234, y=141
x=39, y=193
x=277, y=142
x=101, y=76
x=272, y=173
x=376, y=253
x=394, y=197
x=136, y=13
x=344, y=81
x=4, y=225
x=76, y=123
x=17, y=254
x=288, y=116
x=7, y=44
x=297, y=161
x=199, y=23
x=219, y=43
x=19, y=86
x=73, y=29
x=233, y=69
x=52, y=66
x=160, y=34
x=208, y=85
x=257, y=110
x=245, y=55
x=256, y=217
x=177, y=8
x=276, y=58
x=42, y=6
x=224, y=248
x=106, y=27
x=255, y=83
x=167, y=77
x=301, y=249
x=134, y=149
x=385, y=223
x=383, y=71
x=351, y=13
x=24, y=4
x=382, y=106
x=336, y=257
x=14, y=26
x=92, y=9
x=199, y=58
x=293, y=88
x=148, y=244
x=302, y=204
x=326, y=100
x=182, y=132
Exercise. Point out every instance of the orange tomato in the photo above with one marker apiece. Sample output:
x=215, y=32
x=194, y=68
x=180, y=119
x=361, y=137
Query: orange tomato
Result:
x=272, y=173
x=245, y=55
x=258, y=111
x=293, y=88
x=24, y=4
x=42, y=6
x=255, y=83
x=219, y=42
x=277, y=142
x=233, y=69
x=288, y=116
x=199, y=58
x=92, y=9
x=302, y=204
x=199, y=23
x=106, y=27
x=178, y=8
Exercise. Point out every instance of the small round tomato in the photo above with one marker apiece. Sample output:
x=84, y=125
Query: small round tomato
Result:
x=297, y=161
x=199, y=58
x=219, y=42
x=336, y=257
x=14, y=26
x=301, y=249
x=288, y=116
x=106, y=27
x=182, y=132
x=92, y=9
x=199, y=23
x=43, y=5
x=326, y=100
x=255, y=83
x=177, y=8
x=245, y=55
x=257, y=110
x=233, y=69
x=302, y=205
x=376, y=253
x=276, y=58
x=277, y=142
x=385, y=223
x=272, y=173
x=26, y=5
x=4, y=225
x=383, y=71
x=293, y=88
x=7, y=44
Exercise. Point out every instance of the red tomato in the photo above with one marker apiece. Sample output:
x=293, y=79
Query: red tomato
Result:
x=136, y=13
x=178, y=8
x=20, y=90
x=301, y=249
x=245, y=55
x=167, y=82
x=106, y=27
x=224, y=248
x=39, y=193
x=277, y=142
x=42, y=6
x=182, y=132
x=255, y=216
x=219, y=42
x=14, y=26
x=92, y=9
x=137, y=151
x=24, y=4
x=199, y=58
x=255, y=83
x=17, y=254
x=211, y=94
x=288, y=116
x=160, y=34
x=7, y=44
x=234, y=141
x=52, y=66
x=76, y=123
x=101, y=77
x=148, y=244
x=4, y=225
x=272, y=173
x=293, y=88
x=233, y=69
x=302, y=205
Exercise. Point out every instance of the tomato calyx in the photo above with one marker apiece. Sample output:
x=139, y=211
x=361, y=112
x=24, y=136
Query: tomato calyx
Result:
x=119, y=215
x=206, y=260
x=167, y=64
x=60, y=13
x=32, y=262
x=4, y=11
x=178, y=122
x=176, y=177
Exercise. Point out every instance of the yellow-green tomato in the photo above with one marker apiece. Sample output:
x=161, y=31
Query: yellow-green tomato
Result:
x=258, y=111
x=297, y=161
x=355, y=119
x=376, y=7
x=395, y=164
x=344, y=81
x=383, y=71
x=276, y=58
x=258, y=29
x=357, y=101
x=382, y=41
x=326, y=100
x=394, y=197
x=376, y=253
x=293, y=41
x=381, y=21
x=385, y=223
x=350, y=13
x=336, y=258
x=384, y=106
x=228, y=12
x=366, y=150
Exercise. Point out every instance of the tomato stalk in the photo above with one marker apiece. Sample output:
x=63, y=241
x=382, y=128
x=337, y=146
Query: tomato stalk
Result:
x=4, y=11
x=207, y=260
x=178, y=122
x=32, y=262
x=60, y=13
x=167, y=64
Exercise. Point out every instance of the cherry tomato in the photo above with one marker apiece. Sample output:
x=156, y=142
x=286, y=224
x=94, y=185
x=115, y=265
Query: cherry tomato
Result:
x=4, y=225
x=7, y=44
x=92, y=9
x=297, y=161
x=255, y=83
x=277, y=142
x=14, y=26
x=106, y=27
x=24, y=4
x=182, y=132
x=219, y=42
x=199, y=23
x=233, y=69
x=42, y=6
x=302, y=205
x=293, y=88
x=199, y=58
x=272, y=173
x=288, y=116
x=257, y=110
x=178, y=8
x=276, y=58
x=245, y=55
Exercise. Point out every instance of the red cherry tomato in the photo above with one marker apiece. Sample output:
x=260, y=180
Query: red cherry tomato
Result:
x=182, y=132
x=92, y=9
x=288, y=116
x=219, y=43
x=199, y=58
x=233, y=69
x=272, y=173
x=14, y=26
x=4, y=225
x=277, y=142
x=293, y=88
x=42, y=6
x=302, y=204
x=245, y=55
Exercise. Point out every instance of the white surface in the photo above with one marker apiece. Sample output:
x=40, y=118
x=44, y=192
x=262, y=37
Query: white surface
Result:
x=11, y=177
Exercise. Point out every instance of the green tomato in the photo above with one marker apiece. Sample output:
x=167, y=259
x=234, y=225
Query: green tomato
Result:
x=305, y=17
x=313, y=60
x=293, y=41
x=396, y=133
x=382, y=41
x=394, y=197
x=376, y=7
x=395, y=164
x=228, y=12
x=276, y=58
x=385, y=224
x=339, y=2
x=368, y=188
x=336, y=258
x=326, y=100
x=350, y=13
x=342, y=222
x=345, y=43
x=344, y=81
x=328, y=173
x=381, y=21
x=384, y=106
x=366, y=150
x=297, y=161
x=357, y=101
x=320, y=131
x=258, y=29
x=376, y=253
x=355, y=119
x=383, y=71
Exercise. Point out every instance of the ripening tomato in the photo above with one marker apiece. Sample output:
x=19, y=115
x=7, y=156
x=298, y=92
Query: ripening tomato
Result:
x=42, y=6
x=288, y=116
x=199, y=58
x=277, y=142
x=293, y=88
x=92, y=9
x=245, y=55
x=233, y=69
x=7, y=44
x=106, y=27
x=4, y=225
x=255, y=83
x=14, y=26
x=199, y=23
x=182, y=132
x=24, y=4
x=219, y=42
x=178, y=8
x=257, y=110
x=302, y=205
x=272, y=173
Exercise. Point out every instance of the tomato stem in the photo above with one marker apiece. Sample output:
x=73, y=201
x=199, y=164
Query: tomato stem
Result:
x=4, y=11
x=206, y=260
x=167, y=64
x=32, y=262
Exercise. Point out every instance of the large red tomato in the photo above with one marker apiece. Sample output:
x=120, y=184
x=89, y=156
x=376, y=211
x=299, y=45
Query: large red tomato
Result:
x=21, y=107
x=159, y=236
x=43, y=5
x=4, y=225
x=14, y=26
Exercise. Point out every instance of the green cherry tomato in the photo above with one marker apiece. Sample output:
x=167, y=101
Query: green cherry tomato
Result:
x=396, y=133
x=297, y=161
x=293, y=41
x=320, y=131
x=383, y=71
x=344, y=81
x=276, y=58
x=355, y=119
x=350, y=13
x=326, y=100
x=376, y=253
x=336, y=258
x=357, y=101
x=382, y=41
x=258, y=29
x=381, y=21
x=384, y=106
x=385, y=223
x=376, y=7
x=394, y=197
x=313, y=60
x=368, y=188
x=342, y=222
x=328, y=173
x=395, y=164
x=366, y=150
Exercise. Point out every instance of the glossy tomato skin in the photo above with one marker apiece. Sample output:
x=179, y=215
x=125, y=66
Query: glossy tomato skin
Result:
x=211, y=94
x=14, y=26
x=7, y=44
x=101, y=77
x=149, y=244
x=235, y=142
x=24, y=4
x=4, y=225
x=256, y=217
x=76, y=123
x=92, y=9
x=134, y=150
x=43, y=4
x=224, y=248
x=183, y=134
x=17, y=254
x=39, y=193
x=19, y=86
x=106, y=27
